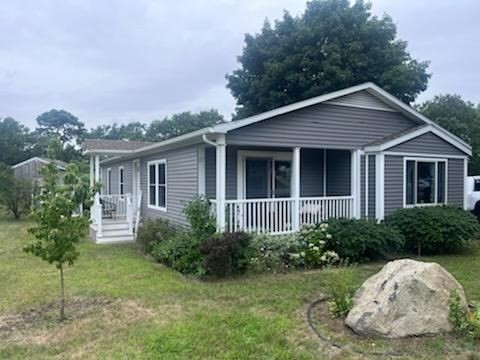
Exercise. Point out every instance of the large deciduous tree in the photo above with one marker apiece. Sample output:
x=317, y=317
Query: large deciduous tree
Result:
x=461, y=118
x=131, y=131
x=15, y=141
x=182, y=123
x=61, y=124
x=15, y=193
x=333, y=45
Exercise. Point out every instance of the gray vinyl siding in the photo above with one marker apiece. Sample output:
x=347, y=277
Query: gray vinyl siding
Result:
x=311, y=171
x=338, y=172
x=455, y=182
x=322, y=126
x=393, y=183
x=394, y=178
x=182, y=183
x=362, y=99
x=371, y=187
x=127, y=177
x=428, y=144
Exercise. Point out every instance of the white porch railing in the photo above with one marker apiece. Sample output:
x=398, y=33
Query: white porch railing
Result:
x=278, y=216
x=116, y=207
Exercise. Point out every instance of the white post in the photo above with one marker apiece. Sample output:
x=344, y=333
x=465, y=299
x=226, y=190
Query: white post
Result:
x=465, y=190
x=98, y=215
x=129, y=213
x=92, y=170
x=221, y=181
x=355, y=182
x=380, y=186
x=296, y=188
x=97, y=168
x=201, y=171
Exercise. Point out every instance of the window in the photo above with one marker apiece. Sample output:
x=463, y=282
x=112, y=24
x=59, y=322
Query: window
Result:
x=109, y=181
x=425, y=182
x=120, y=180
x=157, y=184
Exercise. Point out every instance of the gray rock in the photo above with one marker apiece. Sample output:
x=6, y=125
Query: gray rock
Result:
x=406, y=298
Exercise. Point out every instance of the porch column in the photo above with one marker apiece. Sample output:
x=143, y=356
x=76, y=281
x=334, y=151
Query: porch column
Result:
x=221, y=165
x=97, y=168
x=379, y=186
x=92, y=170
x=296, y=188
x=355, y=182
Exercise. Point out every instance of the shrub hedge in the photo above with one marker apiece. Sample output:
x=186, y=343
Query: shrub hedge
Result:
x=152, y=232
x=435, y=230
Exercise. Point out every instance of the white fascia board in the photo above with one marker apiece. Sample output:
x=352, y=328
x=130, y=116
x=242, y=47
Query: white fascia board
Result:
x=414, y=134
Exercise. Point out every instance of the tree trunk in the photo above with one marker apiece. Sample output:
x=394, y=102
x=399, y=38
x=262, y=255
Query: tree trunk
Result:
x=62, y=301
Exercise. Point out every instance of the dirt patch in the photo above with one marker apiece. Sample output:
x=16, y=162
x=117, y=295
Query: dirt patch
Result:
x=92, y=319
x=342, y=340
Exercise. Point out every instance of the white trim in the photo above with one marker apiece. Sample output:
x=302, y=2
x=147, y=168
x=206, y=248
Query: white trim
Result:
x=221, y=164
x=92, y=171
x=366, y=185
x=379, y=186
x=419, y=132
x=465, y=192
x=355, y=181
x=295, y=184
x=243, y=154
x=324, y=172
x=121, y=183
x=36, y=158
x=106, y=152
x=157, y=184
x=201, y=171
x=440, y=156
x=136, y=177
x=109, y=181
x=404, y=177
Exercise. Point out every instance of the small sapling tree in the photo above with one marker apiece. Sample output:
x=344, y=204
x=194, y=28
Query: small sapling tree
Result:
x=59, y=230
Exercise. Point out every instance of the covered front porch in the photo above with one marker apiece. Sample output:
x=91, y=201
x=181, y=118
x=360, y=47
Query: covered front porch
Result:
x=278, y=190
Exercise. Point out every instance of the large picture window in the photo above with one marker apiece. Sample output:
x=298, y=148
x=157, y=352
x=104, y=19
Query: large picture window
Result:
x=157, y=184
x=425, y=182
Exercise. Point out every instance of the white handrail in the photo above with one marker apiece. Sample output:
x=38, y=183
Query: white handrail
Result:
x=129, y=213
x=137, y=213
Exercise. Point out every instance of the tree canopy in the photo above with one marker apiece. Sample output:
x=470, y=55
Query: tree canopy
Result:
x=461, y=118
x=15, y=141
x=62, y=124
x=333, y=45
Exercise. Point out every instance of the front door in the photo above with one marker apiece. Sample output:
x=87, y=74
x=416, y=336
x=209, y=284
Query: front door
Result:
x=267, y=178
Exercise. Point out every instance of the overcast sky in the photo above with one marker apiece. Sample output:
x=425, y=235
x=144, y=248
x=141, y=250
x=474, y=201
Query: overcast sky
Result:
x=111, y=61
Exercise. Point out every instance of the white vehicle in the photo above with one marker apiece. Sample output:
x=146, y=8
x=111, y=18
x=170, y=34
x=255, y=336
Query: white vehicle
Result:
x=473, y=194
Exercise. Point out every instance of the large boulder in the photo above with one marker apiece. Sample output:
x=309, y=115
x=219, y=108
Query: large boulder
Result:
x=406, y=298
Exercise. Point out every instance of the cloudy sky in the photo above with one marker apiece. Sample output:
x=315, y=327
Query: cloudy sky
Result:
x=124, y=60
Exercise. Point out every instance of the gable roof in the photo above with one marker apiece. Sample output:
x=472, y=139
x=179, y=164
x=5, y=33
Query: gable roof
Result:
x=334, y=97
x=60, y=164
x=105, y=146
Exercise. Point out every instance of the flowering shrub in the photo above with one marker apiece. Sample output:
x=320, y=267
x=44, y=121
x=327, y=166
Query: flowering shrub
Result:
x=315, y=238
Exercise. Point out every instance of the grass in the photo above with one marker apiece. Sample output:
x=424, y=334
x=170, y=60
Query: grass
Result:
x=149, y=311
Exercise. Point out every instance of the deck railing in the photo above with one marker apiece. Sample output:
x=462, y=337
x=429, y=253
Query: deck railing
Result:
x=283, y=215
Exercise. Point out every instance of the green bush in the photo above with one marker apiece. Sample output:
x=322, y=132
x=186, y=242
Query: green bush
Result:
x=361, y=240
x=435, y=230
x=465, y=322
x=202, y=223
x=226, y=254
x=181, y=252
x=314, y=239
x=341, y=288
x=152, y=232
x=277, y=254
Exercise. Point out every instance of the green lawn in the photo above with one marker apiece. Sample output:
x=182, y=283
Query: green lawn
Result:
x=149, y=311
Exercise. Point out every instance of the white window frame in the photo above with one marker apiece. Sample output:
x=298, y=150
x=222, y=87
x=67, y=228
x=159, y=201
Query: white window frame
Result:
x=426, y=160
x=157, y=185
x=121, y=180
x=109, y=181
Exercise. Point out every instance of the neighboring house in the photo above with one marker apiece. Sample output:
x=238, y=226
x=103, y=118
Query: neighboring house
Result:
x=30, y=169
x=354, y=153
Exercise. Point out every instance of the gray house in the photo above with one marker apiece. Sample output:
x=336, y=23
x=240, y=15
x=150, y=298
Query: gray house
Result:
x=354, y=153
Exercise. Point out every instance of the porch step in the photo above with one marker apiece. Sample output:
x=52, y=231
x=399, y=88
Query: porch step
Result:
x=117, y=225
x=114, y=239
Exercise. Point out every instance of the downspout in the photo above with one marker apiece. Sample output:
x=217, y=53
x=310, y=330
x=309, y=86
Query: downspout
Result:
x=207, y=141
